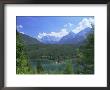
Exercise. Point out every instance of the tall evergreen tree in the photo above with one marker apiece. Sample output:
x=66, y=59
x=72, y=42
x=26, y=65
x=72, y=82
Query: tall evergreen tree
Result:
x=22, y=64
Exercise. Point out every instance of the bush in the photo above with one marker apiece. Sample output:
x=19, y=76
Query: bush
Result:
x=69, y=67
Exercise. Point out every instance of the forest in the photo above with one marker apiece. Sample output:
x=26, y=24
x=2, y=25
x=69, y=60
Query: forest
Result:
x=54, y=58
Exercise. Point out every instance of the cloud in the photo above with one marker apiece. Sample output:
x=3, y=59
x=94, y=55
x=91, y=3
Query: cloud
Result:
x=22, y=32
x=59, y=35
x=86, y=22
x=68, y=25
x=19, y=27
x=65, y=25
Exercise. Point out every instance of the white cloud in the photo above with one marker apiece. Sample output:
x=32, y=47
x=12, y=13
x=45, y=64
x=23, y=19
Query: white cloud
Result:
x=22, y=32
x=68, y=25
x=86, y=22
x=65, y=25
x=19, y=27
x=59, y=35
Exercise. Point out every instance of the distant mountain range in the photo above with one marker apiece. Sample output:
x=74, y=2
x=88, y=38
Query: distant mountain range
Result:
x=70, y=38
x=73, y=38
x=49, y=40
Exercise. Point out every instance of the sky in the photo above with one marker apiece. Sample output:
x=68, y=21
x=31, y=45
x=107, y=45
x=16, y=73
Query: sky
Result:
x=57, y=26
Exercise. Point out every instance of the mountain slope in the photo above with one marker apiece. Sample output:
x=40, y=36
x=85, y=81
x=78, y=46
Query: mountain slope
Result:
x=28, y=40
x=67, y=39
x=78, y=38
x=81, y=36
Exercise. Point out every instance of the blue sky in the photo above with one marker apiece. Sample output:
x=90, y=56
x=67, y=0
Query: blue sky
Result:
x=39, y=26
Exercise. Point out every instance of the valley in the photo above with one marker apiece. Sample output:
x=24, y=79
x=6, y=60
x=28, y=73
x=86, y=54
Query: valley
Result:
x=57, y=58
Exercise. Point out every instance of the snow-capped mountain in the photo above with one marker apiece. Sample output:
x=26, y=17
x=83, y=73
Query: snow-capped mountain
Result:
x=73, y=38
x=49, y=39
x=65, y=36
x=70, y=38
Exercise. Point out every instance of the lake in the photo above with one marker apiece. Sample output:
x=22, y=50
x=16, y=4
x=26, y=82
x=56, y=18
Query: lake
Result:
x=50, y=66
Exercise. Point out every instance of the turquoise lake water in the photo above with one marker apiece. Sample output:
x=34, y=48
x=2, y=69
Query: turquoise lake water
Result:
x=50, y=66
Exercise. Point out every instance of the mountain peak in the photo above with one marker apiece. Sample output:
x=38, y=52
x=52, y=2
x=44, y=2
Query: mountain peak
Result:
x=73, y=38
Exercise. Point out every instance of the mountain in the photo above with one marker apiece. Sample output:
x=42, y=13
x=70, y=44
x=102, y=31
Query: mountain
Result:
x=67, y=39
x=78, y=38
x=28, y=40
x=81, y=36
x=49, y=40
x=71, y=38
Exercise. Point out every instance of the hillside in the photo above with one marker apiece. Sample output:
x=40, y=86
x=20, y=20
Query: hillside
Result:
x=29, y=40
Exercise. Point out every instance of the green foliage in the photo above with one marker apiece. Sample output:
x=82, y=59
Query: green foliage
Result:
x=22, y=64
x=85, y=56
x=69, y=67
x=52, y=52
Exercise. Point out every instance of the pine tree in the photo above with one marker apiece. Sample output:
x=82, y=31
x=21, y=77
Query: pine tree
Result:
x=22, y=63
